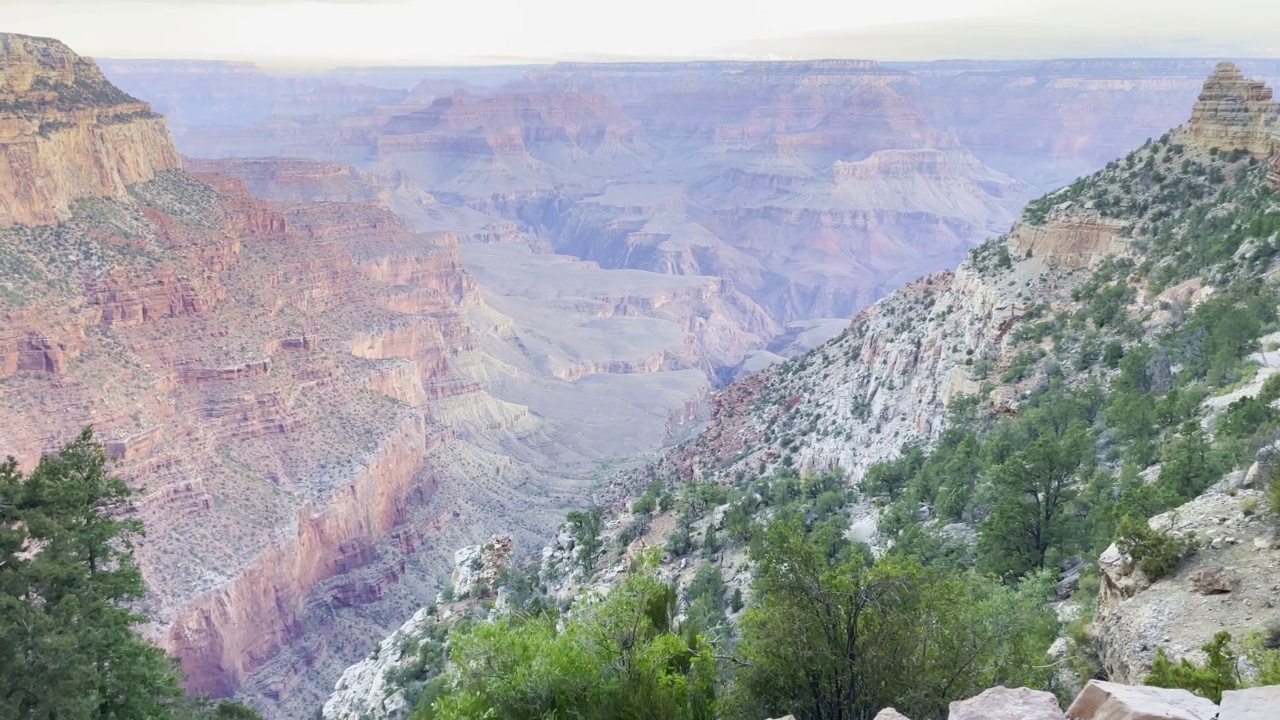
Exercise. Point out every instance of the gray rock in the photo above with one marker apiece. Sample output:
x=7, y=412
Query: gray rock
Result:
x=1260, y=703
x=1001, y=703
x=1109, y=701
x=1214, y=580
x=890, y=714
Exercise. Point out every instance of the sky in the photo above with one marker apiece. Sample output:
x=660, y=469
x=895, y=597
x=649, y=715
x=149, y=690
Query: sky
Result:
x=389, y=32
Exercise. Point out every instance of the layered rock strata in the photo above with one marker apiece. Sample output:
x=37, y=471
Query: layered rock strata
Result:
x=279, y=379
x=66, y=133
x=1234, y=113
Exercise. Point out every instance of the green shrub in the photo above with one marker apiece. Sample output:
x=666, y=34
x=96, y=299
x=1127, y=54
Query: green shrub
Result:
x=1157, y=553
x=1217, y=674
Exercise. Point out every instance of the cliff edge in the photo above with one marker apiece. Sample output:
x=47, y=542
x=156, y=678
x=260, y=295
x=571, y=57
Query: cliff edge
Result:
x=66, y=133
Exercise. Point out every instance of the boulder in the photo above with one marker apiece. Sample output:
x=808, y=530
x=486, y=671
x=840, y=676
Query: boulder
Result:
x=1260, y=703
x=1109, y=701
x=1214, y=580
x=1001, y=703
x=891, y=714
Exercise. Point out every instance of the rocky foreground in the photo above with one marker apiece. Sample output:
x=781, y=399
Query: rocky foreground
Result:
x=1110, y=701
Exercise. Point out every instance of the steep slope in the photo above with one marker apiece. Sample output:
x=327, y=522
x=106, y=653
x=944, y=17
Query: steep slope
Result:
x=890, y=377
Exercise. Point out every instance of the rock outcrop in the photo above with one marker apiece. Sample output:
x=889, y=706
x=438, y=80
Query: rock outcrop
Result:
x=1234, y=113
x=66, y=133
x=1111, y=701
x=1262, y=703
x=365, y=689
x=1228, y=584
x=1001, y=703
x=477, y=567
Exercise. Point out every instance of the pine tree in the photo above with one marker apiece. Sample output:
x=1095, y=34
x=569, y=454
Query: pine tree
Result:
x=710, y=543
x=1034, y=489
x=68, y=646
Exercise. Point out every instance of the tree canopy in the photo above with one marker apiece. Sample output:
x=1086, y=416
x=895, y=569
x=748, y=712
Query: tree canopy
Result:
x=69, y=649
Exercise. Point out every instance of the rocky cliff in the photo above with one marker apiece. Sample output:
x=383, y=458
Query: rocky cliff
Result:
x=66, y=133
x=281, y=380
x=1233, y=113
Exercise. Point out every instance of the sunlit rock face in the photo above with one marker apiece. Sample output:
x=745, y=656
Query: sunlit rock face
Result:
x=1233, y=113
x=66, y=133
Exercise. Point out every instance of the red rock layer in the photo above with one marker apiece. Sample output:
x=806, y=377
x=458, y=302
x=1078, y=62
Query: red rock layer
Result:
x=268, y=383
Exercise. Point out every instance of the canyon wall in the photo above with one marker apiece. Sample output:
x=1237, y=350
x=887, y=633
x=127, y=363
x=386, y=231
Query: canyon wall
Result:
x=66, y=133
x=279, y=380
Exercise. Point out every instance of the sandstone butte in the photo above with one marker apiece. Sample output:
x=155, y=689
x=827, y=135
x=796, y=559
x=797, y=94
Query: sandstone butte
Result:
x=275, y=377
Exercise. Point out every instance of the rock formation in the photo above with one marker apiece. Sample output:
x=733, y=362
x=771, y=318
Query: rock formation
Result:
x=1111, y=701
x=66, y=133
x=1250, y=704
x=1227, y=585
x=282, y=380
x=1234, y=113
x=1001, y=703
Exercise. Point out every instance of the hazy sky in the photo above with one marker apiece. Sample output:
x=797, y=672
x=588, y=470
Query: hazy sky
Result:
x=461, y=31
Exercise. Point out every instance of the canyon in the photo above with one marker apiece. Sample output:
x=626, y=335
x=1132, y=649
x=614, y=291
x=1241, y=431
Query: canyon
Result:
x=815, y=187
x=966, y=353
x=370, y=316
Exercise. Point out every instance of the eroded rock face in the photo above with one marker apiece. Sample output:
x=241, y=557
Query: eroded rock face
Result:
x=1234, y=113
x=1001, y=703
x=1110, y=701
x=1228, y=584
x=478, y=566
x=66, y=133
x=282, y=379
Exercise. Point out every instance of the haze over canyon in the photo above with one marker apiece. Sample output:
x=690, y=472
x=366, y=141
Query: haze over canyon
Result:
x=338, y=324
